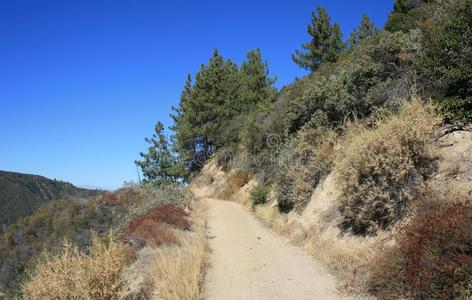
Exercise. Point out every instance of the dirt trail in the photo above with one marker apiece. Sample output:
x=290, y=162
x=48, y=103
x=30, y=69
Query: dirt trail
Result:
x=248, y=261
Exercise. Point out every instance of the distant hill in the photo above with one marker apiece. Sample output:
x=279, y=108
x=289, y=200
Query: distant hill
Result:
x=20, y=194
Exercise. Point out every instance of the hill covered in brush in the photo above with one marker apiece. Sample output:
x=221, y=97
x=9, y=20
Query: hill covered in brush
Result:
x=21, y=194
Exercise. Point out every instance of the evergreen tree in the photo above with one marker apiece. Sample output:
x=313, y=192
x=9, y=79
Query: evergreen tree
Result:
x=365, y=29
x=257, y=85
x=157, y=164
x=326, y=43
x=184, y=135
x=215, y=108
x=214, y=101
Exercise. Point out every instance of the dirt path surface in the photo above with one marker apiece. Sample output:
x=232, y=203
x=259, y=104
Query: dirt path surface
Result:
x=249, y=261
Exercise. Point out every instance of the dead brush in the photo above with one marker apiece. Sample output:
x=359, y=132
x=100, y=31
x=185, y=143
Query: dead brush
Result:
x=157, y=227
x=72, y=274
x=235, y=181
x=153, y=233
x=381, y=169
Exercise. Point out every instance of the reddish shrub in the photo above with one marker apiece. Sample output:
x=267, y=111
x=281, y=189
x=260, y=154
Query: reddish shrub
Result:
x=156, y=226
x=436, y=247
x=155, y=234
x=167, y=213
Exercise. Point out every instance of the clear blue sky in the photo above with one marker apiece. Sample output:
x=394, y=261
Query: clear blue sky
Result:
x=83, y=82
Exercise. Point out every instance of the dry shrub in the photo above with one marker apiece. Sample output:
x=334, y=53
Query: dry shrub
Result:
x=433, y=254
x=234, y=182
x=171, y=214
x=381, y=169
x=154, y=233
x=437, y=248
x=385, y=279
x=177, y=271
x=72, y=274
x=301, y=165
x=156, y=227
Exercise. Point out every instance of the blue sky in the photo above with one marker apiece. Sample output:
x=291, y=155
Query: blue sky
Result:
x=83, y=82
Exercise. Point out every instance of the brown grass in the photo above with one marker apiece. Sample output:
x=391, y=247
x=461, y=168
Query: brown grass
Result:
x=75, y=275
x=177, y=270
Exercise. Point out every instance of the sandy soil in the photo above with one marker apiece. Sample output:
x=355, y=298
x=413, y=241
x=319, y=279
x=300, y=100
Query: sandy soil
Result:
x=249, y=261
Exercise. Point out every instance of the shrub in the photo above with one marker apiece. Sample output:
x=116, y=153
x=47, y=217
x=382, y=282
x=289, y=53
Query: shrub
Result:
x=157, y=226
x=301, y=165
x=150, y=196
x=432, y=258
x=379, y=170
x=355, y=86
x=259, y=194
x=72, y=274
x=167, y=213
x=406, y=15
x=234, y=182
x=446, y=58
x=437, y=249
x=153, y=233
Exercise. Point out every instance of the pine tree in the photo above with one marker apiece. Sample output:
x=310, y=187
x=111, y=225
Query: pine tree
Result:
x=257, y=85
x=365, y=29
x=157, y=164
x=326, y=43
x=184, y=135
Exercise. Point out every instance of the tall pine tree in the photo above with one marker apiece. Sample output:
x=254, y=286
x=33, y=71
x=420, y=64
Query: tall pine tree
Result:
x=365, y=29
x=325, y=44
x=257, y=85
x=183, y=140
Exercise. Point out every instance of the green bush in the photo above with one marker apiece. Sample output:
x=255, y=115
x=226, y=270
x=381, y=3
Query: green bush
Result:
x=406, y=15
x=369, y=76
x=379, y=170
x=447, y=56
x=259, y=194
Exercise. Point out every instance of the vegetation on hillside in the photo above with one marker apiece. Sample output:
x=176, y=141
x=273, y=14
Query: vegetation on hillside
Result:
x=365, y=112
x=65, y=248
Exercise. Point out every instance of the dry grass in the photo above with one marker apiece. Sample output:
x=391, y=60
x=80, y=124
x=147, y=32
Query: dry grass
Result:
x=177, y=270
x=271, y=217
x=75, y=275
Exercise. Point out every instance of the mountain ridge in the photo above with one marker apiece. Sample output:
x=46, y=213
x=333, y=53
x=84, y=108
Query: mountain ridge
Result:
x=21, y=194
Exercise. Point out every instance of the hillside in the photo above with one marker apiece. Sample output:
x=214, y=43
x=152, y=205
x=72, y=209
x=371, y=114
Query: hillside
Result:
x=21, y=194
